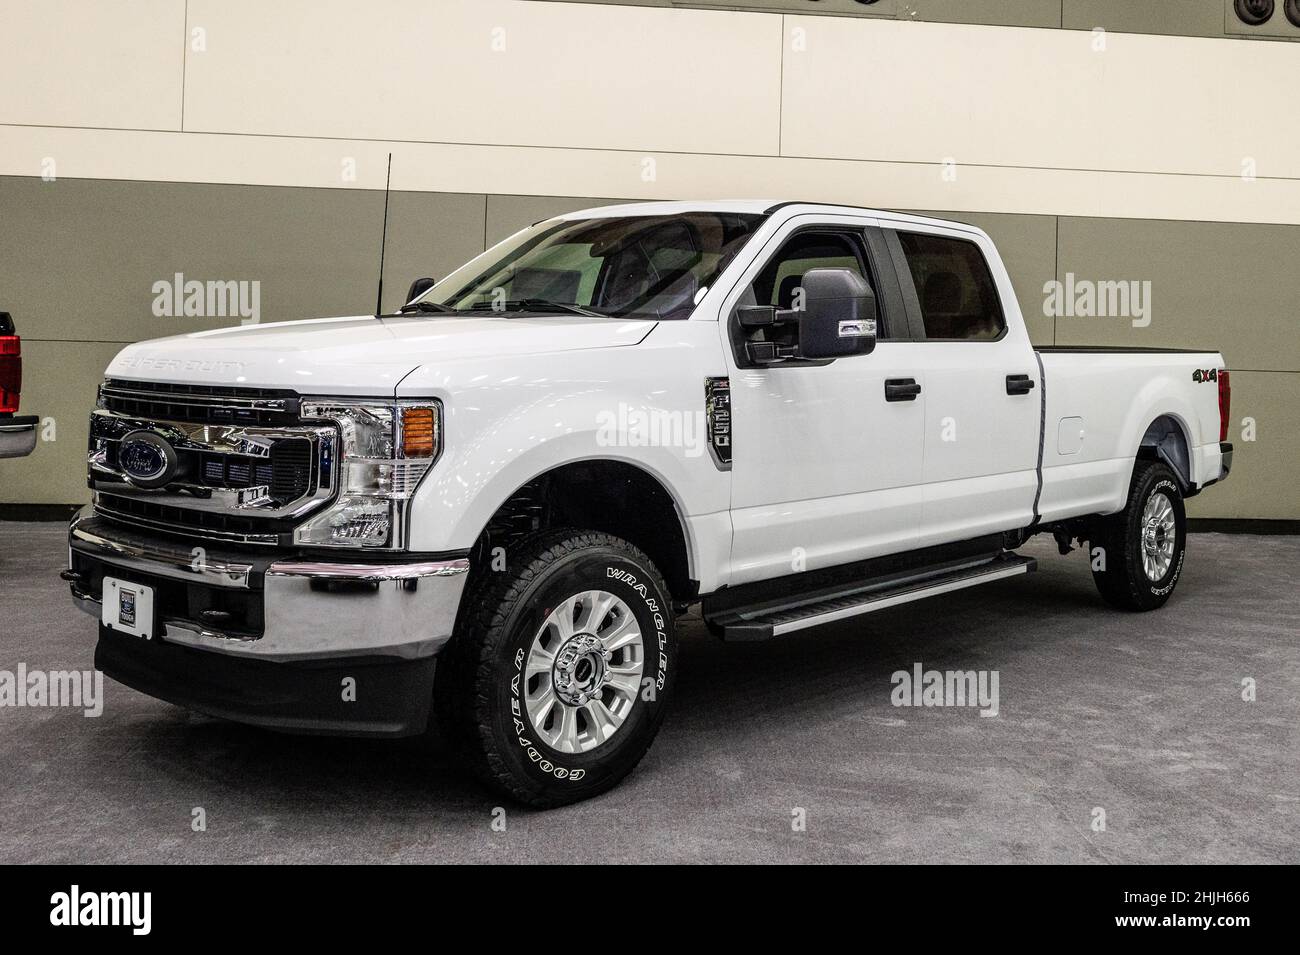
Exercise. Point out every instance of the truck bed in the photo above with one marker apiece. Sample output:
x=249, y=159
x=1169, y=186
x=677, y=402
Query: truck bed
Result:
x=1098, y=402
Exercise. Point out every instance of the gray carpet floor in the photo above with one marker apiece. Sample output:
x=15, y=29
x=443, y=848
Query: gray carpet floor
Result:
x=1137, y=716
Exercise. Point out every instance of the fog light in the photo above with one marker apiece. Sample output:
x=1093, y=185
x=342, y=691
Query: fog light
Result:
x=358, y=522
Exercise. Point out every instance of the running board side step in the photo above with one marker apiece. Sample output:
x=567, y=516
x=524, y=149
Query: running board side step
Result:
x=774, y=618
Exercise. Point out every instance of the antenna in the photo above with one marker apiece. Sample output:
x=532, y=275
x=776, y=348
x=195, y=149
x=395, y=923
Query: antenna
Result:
x=383, y=241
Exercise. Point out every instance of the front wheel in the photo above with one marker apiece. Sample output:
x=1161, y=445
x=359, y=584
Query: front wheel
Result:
x=560, y=671
x=1142, y=547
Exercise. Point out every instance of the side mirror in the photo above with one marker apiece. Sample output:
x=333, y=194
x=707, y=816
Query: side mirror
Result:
x=839, y=315
x=419, y=287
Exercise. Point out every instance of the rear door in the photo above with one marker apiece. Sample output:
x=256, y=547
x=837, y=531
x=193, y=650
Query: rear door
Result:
x=982, y=384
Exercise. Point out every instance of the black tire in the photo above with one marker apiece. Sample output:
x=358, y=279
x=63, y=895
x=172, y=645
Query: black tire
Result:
x=480, y=678
x=1118, y=570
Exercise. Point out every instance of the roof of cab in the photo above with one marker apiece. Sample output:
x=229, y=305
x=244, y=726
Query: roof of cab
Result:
x=753, y=207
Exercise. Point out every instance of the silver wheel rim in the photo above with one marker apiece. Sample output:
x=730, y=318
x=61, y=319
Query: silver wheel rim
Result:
x=1159, y=533
x=583, y=672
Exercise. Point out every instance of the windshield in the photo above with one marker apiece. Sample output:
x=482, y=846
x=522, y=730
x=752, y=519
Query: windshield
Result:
x=625, y=267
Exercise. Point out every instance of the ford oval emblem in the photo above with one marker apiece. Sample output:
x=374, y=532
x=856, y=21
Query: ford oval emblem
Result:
x=146, y=459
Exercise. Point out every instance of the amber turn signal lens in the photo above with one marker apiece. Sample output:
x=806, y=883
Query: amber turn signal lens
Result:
x=419, y=432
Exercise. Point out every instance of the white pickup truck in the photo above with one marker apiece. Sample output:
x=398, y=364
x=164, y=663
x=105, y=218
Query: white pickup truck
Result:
x=492, y=504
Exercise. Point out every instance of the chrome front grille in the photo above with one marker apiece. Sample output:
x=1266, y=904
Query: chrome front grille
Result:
x=245, y=482
x=200, y=404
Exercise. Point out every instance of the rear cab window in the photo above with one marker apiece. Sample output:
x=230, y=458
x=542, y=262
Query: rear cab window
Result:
x=958, y=298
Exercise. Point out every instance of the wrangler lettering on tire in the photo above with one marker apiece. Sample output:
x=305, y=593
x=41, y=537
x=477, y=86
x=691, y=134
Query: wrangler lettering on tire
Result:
x=1145, y=543
x=542, y=685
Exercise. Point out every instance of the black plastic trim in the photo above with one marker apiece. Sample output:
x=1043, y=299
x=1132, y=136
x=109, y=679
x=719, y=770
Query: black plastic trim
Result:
x=393, y=696
x=1118, y=350
x=1042, y=442
x=787, y=585
x=895, y=323
x=38, y=513
x=1242, y=525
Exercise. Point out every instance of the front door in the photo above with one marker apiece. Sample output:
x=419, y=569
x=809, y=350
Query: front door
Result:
x=826, y=458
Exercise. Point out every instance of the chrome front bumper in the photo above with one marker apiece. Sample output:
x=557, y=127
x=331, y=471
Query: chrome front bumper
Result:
x=311, y=608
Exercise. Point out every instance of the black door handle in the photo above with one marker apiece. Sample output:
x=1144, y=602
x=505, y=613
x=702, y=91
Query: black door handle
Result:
x=901, y=389
x=1019, y=384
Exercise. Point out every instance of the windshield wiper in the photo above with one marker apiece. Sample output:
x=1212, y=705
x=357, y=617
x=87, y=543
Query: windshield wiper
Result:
x=537, y=305
x=423, y=306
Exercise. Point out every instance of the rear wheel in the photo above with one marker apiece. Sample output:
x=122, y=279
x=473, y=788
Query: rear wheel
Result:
x=1142, y=547
x=560, y=671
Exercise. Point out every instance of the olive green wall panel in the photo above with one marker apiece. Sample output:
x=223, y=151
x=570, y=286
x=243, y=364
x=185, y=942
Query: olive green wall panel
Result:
x=1024, y=13
x=1266, y=454
x=77, y=260
x=1222, y=286
x=81, y=257
x=1203, y=18
x=1016, y=13
x=429, y=234
x=506, y=215
x=1168, y=17
x=59, y=383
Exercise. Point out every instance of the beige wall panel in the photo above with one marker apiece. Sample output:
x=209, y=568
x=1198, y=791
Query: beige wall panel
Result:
x=487, y=71
x=1227, y=287
x=879, y=89
x=92, y=62
x=1263, y=479
x=269, y=160
x=59, y=382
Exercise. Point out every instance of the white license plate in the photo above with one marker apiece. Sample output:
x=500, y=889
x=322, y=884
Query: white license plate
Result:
x=128, y=607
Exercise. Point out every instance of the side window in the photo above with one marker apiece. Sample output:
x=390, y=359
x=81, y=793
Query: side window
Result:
x=783, y=275
x=956, y=291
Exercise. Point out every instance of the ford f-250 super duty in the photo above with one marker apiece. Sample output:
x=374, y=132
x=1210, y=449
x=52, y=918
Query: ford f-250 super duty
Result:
x=491, y=504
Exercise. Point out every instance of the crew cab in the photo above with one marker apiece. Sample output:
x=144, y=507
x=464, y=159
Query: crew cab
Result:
x=17, y=433
x=491, y=504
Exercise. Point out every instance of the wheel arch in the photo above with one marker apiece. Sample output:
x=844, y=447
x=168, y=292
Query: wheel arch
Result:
x=611, y=495
x=1166, y=439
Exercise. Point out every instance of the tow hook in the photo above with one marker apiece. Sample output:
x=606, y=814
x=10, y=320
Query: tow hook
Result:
x=1063, y=541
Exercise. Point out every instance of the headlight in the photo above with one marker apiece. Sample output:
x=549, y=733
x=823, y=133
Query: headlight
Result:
x=387, y=448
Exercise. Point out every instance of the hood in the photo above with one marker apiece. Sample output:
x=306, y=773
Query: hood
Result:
x=360, y=355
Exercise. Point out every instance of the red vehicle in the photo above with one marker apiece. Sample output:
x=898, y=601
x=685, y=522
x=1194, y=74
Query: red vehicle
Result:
x=17, y=434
